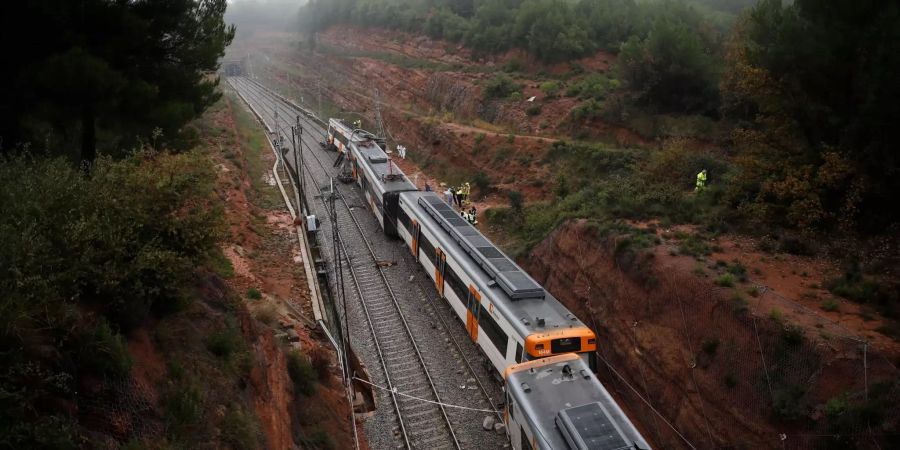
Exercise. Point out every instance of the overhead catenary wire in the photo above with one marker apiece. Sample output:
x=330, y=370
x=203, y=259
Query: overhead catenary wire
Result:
x=424, y=400
x=638, y=394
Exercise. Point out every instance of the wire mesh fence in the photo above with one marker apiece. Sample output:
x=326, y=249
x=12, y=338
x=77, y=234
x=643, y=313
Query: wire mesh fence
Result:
x=709, y=368
x=120, y=410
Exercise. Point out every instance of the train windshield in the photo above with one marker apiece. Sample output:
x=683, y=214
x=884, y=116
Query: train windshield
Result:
x=564, y=345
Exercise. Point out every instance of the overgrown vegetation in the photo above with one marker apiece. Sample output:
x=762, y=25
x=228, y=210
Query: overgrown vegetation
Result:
x=86, y=259
x=608, y=184
x=302, y=373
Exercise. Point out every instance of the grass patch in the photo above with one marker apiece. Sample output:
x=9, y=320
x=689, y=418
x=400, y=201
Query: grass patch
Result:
x=241, y=429
x=776, y=315
x=254, y=294
x=694, y=245
x=725, y=280
x=738, y=271
x=219, y=263
x=830, y=305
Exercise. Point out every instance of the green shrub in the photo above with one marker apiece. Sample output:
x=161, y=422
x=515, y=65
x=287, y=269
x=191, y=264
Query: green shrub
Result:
x=725, y=280
x=516, y=201
x=738, y=270
x=319, y=439
x=830, y=305
x=836, y=406
x=482, y=182
x=241, y=429
x=587, y=110
x=500, y=86
x=550, y=88
x=225, y=343
x=183, y=407
x=104, y=352
x=254, y=294
x=515, y=97
x=776, y=315
x=533, y=110
x=302, y=373
x=693, y=245
x=594, y=86
x=513, y=65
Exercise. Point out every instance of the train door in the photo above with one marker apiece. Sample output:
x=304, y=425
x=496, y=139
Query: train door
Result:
x=416, y=229
x=473, y=307
x=512, y=427
x=439, y=270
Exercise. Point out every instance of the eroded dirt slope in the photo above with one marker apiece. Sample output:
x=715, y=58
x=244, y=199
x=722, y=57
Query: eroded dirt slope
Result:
x=723, y=374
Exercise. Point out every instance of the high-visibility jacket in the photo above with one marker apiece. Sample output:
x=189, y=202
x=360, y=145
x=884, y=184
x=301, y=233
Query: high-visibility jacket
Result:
x=466, y=189
x=701, y=178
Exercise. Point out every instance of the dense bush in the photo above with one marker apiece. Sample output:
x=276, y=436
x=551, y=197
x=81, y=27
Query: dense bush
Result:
x=500, y=86
x=85, y=259
x=814, y=85
x=594, y=86
x=302, y=373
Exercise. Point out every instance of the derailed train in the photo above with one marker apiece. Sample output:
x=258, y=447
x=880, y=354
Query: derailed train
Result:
x=513, y=320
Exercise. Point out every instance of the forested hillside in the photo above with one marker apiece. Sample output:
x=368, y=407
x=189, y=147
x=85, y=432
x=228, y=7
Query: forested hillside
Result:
x=802, y=92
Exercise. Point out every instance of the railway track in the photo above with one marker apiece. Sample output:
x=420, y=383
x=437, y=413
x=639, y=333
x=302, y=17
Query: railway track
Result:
x=420, y=422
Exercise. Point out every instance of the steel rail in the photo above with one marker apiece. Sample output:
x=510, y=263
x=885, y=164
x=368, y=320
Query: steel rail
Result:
x=260, y=92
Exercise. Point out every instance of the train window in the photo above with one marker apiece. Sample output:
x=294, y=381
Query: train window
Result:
x=426, y=248
x=493, y=331
x=455, y=283
x=563, y=345
x=404, y=219
x=519, y=352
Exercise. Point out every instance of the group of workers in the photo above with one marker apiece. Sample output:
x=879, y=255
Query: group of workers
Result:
x=459, y=196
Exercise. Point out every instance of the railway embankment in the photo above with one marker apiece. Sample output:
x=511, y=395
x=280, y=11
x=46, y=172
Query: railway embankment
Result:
x=300, y=399
x=724, y=370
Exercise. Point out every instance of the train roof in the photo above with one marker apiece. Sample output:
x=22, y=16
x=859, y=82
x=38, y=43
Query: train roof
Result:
x=381, y=168
x=522, y=313
x=567, y=407
x=374, y=159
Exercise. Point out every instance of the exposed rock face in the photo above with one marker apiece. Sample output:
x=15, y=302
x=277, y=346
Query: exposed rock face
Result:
x=272, y=385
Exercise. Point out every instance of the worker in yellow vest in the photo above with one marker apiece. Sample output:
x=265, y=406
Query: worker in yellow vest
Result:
x=466, y=190
x=701, y=181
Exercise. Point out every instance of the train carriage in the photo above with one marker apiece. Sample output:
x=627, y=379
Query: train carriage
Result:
x=380, y=180
x=558, y=403
x=509, y=315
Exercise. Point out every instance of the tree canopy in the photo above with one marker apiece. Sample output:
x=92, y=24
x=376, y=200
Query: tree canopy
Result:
x=99, y=75
x=816, y=84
